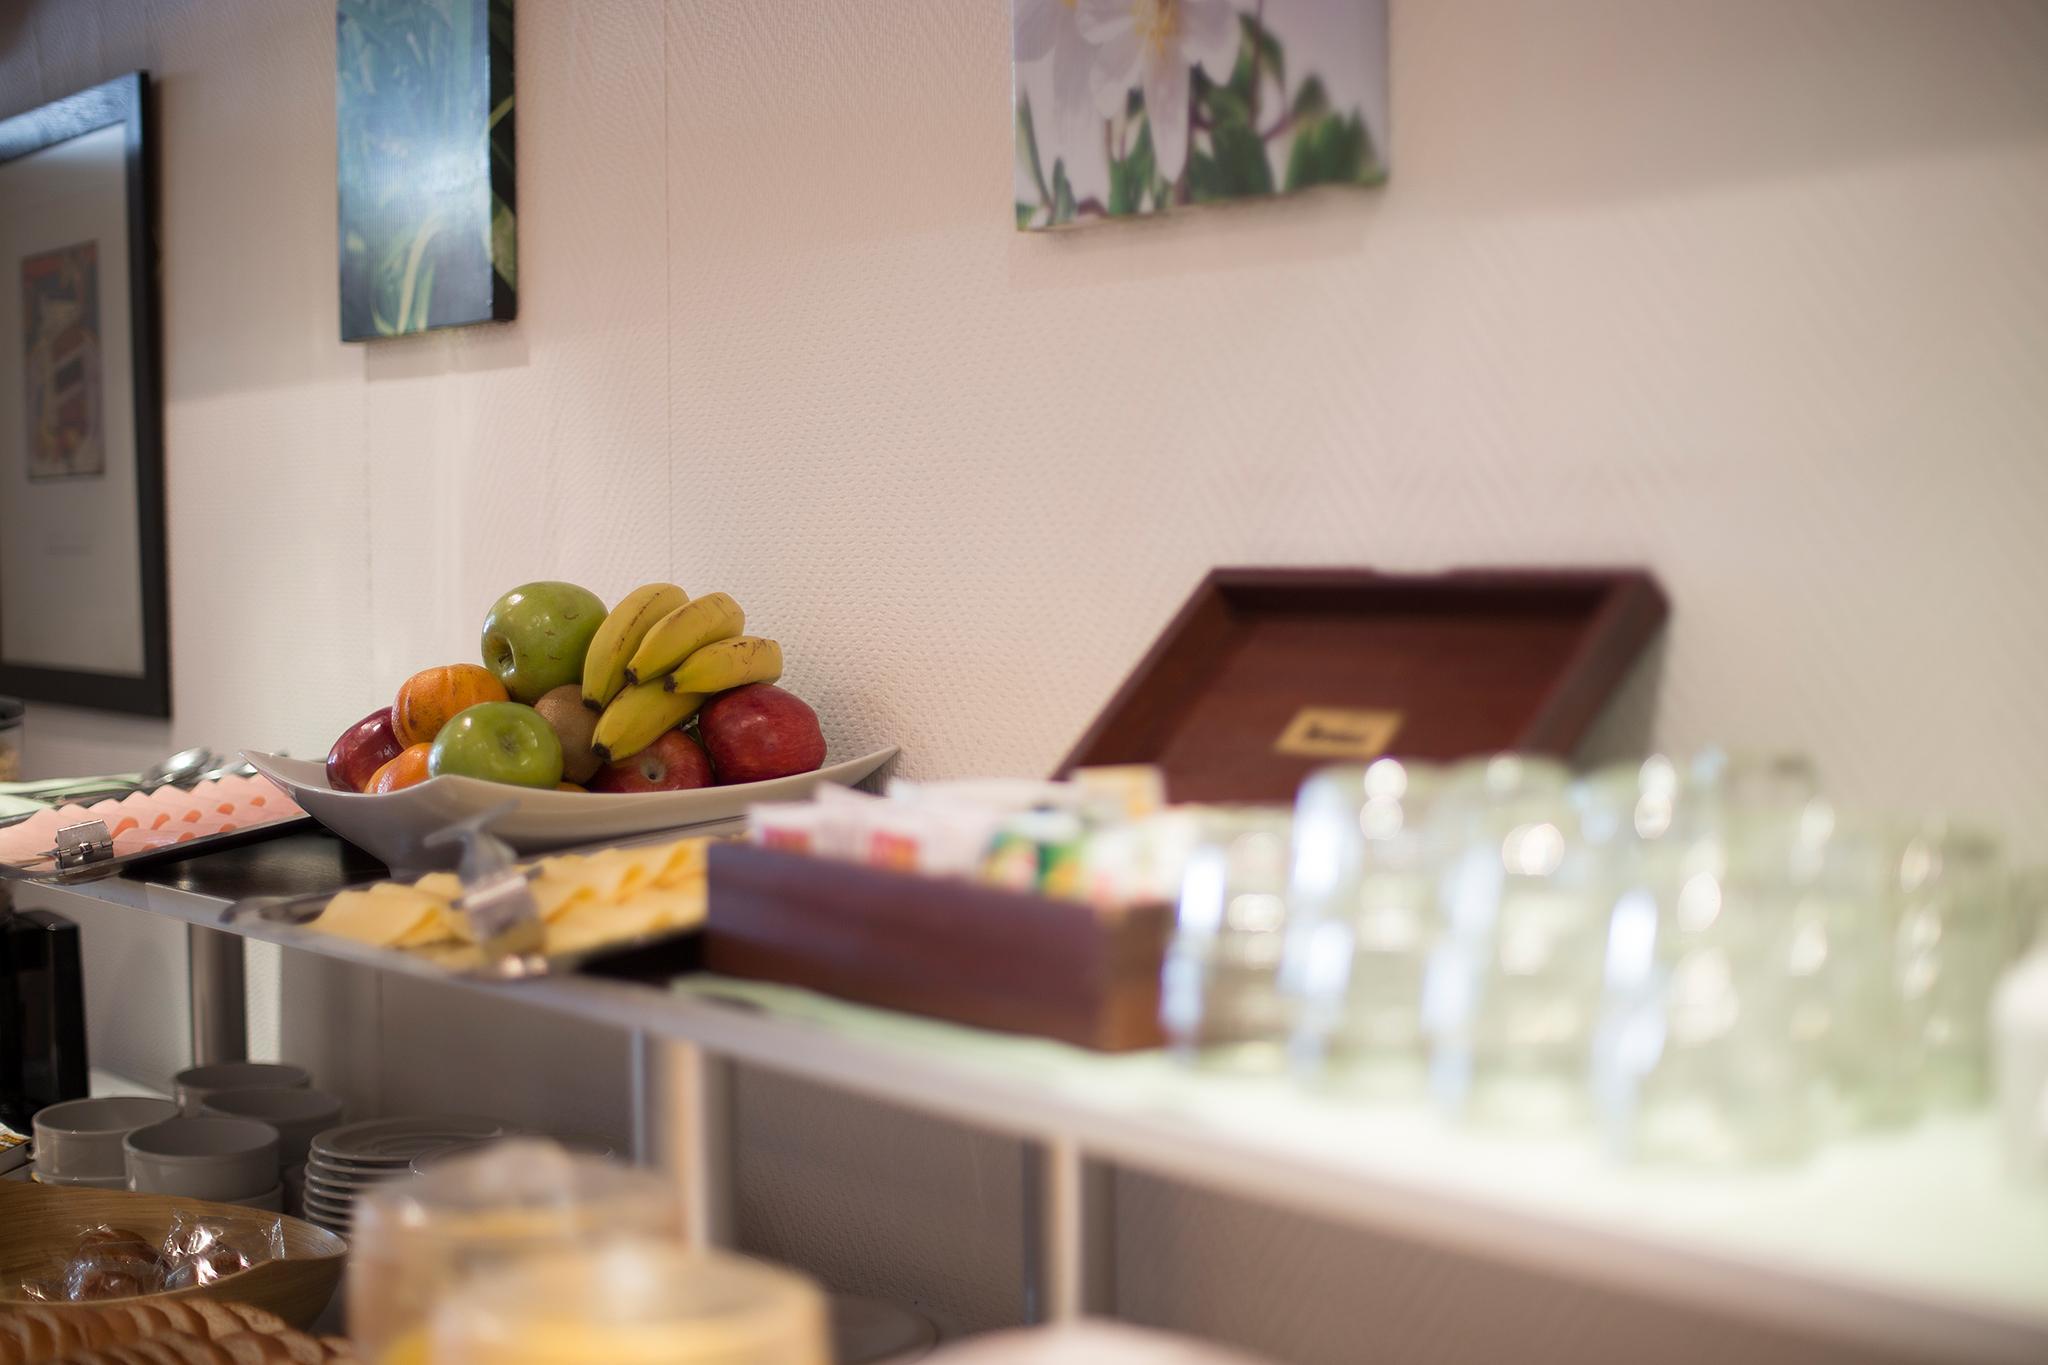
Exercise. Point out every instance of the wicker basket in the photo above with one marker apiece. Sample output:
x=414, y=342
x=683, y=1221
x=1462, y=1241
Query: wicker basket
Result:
x=39, y=1223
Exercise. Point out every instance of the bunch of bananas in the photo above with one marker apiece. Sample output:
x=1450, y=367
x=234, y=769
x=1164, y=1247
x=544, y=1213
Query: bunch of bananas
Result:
x=659, y=656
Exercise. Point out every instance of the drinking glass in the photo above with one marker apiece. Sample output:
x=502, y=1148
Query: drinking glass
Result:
x=1512, y=985
x=1694, y=1058
x=2029, y=914
x=1955, y=935
x=1849, y=1015
x=1361, y=922
x=1220, y=1001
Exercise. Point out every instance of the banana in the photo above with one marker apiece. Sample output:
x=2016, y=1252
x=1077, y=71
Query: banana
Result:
x=638, y=716
x=727, y=663
x=604, y=667
x=684, y=631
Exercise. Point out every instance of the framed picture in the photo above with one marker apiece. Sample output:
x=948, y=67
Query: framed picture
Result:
x=82, y=614
x=423, y=109
x=1128, y=107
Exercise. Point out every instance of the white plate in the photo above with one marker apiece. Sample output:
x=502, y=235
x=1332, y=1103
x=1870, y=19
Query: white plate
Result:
x=319, y=1163
x=378, y=1142
x=339, y=1194
x=393, y=826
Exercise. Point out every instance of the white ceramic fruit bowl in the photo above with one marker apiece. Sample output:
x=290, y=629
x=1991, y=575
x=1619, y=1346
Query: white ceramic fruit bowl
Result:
x=393, y=827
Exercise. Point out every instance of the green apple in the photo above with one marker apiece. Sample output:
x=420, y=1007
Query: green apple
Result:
x=498, y=741
x=536, y=636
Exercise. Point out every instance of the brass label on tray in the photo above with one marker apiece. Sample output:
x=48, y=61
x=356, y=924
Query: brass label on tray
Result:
x=1338, y=732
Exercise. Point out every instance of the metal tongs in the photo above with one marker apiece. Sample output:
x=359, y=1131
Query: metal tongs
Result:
x=84, y=853
x=496, y=896
x=496, y=899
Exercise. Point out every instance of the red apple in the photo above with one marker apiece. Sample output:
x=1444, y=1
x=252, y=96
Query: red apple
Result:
x=673, y=763
x=760, y=731
x=362, y=749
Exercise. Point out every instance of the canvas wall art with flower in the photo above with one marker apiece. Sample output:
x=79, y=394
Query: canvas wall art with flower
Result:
x=1137, y=106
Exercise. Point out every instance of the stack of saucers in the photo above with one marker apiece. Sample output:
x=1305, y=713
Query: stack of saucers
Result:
x=345, y=1162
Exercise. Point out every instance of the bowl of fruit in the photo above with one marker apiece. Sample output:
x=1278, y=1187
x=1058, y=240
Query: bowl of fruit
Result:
x=583, y=724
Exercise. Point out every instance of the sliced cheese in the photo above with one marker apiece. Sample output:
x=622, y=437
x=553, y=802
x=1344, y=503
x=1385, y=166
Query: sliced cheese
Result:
x=381, y=921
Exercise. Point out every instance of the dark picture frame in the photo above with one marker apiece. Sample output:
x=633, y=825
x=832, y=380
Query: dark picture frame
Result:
x=119, y=103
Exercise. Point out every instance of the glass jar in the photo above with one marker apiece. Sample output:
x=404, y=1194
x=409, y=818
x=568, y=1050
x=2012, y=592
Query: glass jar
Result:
x=417, y=1240
x=1361, y=924
x=1695, y=1058
x=632, y=1302
x=1220, y=1001
x=2029, y=894
x=1849, y=1015
x=1512, y=986
x=10, y=739
x=1955, y=934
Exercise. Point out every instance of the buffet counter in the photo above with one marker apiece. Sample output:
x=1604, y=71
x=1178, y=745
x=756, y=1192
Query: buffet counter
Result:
x=1908, y=1241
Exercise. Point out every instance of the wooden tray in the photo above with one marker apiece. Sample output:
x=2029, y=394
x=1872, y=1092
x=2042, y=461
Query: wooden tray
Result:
x=946, y=948
x=1267, y=674
x=39, y=1222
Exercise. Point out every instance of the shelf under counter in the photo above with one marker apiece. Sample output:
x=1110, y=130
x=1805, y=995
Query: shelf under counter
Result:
x=1911, y=1241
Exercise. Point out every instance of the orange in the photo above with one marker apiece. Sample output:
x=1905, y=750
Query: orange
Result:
x=430, y=699
x=569, y=787
x=407, y=770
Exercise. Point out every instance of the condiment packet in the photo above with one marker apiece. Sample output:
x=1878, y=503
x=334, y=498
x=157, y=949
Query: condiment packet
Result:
x=792, y=827
x=1036, y=851
x=1124, y=791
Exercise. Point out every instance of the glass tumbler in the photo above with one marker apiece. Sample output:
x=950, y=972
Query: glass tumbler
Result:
x=1849, y=1017
x=1361, y=922
x=10, y=739
x=1220, y=1003
x=1512, y=986
x=1695, y=1059
x=1955, y=935
x=2029, y=894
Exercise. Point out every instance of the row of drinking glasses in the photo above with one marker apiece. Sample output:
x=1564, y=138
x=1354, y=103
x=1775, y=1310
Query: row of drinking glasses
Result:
x=1710, y=962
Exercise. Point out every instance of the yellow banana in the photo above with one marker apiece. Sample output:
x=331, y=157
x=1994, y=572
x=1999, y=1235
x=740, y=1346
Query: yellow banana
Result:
x=638, y=716
x=684, y=631
x=604, y=667
x=727, y=663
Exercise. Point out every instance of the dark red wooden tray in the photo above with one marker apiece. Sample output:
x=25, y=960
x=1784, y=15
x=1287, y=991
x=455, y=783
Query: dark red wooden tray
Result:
x=1267, y=674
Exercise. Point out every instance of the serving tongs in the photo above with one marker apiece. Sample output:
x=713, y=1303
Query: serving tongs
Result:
x=497, y=899
x=84, y=853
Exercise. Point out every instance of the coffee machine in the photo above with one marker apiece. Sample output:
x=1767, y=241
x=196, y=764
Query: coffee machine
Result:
x=42, y=1012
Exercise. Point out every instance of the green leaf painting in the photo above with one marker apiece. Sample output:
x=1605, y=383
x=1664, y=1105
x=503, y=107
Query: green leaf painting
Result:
x=1131, y=107
x=425, y=156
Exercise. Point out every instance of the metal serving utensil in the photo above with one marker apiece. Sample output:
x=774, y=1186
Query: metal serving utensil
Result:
x=496, y=897
x=178, y=769
x=186, y=768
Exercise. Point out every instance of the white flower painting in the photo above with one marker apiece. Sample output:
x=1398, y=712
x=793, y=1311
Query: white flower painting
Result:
x=1139, y=106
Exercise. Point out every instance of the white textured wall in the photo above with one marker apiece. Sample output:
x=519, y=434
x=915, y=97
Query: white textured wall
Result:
x=1752, y=291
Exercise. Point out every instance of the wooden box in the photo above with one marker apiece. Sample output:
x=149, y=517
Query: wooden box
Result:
x=946, y=948
x=1264, y=675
